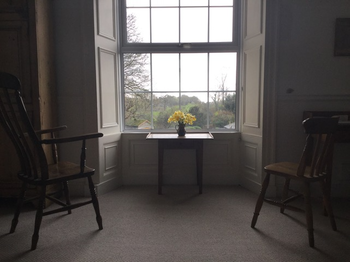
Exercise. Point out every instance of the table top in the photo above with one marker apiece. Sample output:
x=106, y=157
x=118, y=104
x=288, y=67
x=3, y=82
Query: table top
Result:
x=188, y=136
x=344, y=123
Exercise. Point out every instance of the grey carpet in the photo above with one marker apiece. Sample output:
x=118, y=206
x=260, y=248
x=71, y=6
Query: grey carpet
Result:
x=180, y=225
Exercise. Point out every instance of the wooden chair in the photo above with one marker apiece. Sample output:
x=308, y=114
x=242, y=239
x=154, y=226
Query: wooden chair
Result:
x=312, y=167
x=34, y=167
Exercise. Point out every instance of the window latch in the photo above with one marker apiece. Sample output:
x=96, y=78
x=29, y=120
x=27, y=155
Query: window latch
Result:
x=185, y=45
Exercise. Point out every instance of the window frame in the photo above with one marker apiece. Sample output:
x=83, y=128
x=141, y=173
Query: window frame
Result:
x=196, y=47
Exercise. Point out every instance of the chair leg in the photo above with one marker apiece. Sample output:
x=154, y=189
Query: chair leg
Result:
x=95, y=203
x=66, y=195
x=38, y=217
x=285, y=193
x=308, y=213
x=260, y=200
x=18, y=207
x=327, y=204
x=328, y=184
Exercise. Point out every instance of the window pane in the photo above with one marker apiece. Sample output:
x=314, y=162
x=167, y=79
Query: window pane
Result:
x=194, y=2
x=222, y=71
x=196, y=104
x=164, y=105
x=221, y=3
x=165, y=72
x=195, y=97
x=138, y=25
x=222, y=108
x=194, y=72
x=136, y=72
x=194, y=25
x=137, y=111
x=221, y=24
x=165, y=25
x=165, y=2
x=131, y=3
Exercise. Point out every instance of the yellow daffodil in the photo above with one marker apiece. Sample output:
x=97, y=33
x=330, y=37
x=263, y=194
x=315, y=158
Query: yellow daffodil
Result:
x=182, y=118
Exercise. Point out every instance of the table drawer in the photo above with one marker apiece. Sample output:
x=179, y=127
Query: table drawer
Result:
x=180, y=144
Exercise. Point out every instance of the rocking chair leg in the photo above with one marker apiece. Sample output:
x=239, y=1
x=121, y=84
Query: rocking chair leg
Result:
x=38, y=217
x=66, y=195
x=285, y=193
x=308, y=213
x=18, y=207
x=260, y=200
x=95, y=203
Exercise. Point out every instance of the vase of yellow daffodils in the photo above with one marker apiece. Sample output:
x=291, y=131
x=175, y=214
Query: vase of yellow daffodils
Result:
x=181, y=119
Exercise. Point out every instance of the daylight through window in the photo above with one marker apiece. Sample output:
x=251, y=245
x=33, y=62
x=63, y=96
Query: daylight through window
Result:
x=179, y=54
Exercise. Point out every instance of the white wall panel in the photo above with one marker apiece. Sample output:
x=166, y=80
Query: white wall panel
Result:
x=253, y=18
x=106, y=18
x=218, y=153
x=252, y=87
x=250, y=162
x=111, y=156
x=250, y=157
x=142, y=153
x=106, y=57
x=254, y=13
x=108, y=94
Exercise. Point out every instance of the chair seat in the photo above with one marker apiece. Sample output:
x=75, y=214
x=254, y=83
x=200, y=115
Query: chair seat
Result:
x=62, y=171
x=289, y=169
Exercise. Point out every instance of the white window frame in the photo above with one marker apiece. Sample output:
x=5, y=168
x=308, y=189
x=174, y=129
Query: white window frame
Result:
x=213, y=47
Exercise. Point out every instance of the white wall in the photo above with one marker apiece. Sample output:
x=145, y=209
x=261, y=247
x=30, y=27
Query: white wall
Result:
x=305, y=64
x=320, y=81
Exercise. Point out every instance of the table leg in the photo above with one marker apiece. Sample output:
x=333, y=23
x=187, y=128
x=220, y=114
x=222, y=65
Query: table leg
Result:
x=160, y=166
x=199, y=163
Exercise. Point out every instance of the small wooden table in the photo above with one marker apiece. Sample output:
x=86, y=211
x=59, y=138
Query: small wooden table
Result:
x=173, y=141
x=341, y=136
x=343, y=132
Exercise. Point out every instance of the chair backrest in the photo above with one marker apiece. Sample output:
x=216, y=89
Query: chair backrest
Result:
x=318, y=149
x=15, y=120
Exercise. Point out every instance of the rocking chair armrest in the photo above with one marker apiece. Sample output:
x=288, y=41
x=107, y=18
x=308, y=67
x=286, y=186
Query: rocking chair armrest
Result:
x=71, y=139
x=50, y=130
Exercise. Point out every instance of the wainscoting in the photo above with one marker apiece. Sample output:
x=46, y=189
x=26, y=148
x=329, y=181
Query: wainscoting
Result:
x=221, y=161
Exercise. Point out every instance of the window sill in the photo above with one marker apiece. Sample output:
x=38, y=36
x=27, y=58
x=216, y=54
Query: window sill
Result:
x=128, y=132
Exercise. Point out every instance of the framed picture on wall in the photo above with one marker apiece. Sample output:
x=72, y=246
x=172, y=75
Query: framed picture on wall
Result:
x=342, y=37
